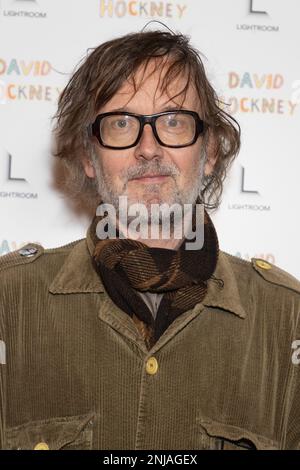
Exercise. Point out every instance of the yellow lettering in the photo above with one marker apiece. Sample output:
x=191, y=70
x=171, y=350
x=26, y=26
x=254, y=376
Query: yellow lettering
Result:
x=106, y=5
x=26, y=69
x=130, y=7
x=243, y=108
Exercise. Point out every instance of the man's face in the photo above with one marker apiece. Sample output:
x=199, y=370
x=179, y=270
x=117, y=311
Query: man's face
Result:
x=178, y=171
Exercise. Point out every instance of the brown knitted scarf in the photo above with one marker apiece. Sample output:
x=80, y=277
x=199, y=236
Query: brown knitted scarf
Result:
x=126, y=265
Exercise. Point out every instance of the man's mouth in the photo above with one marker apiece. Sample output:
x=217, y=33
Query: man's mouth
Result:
x=150, y=178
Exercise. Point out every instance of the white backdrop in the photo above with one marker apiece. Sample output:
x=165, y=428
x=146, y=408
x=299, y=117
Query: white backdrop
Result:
x=253, y=58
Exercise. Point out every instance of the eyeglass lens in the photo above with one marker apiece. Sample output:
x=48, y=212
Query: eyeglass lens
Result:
x=172, y=129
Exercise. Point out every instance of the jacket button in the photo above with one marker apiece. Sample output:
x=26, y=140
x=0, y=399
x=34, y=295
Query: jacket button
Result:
x=28, y=251
x=151, y=366
x=41, y=446
x=263, y=264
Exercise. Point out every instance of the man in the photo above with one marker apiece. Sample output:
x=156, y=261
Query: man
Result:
x=137, y=342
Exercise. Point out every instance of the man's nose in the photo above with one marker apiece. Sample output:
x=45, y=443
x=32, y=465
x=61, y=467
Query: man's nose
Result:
x=148, y=147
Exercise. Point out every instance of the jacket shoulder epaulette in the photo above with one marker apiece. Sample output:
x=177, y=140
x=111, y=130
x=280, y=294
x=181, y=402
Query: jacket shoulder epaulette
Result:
x=25, y=255
x=275, y=275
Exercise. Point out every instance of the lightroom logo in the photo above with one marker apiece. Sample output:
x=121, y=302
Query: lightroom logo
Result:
x=22, y=8
x=252, y=10
x=255, y=10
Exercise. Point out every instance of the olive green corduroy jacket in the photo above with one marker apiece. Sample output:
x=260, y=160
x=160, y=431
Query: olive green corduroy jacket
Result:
x=75, y=373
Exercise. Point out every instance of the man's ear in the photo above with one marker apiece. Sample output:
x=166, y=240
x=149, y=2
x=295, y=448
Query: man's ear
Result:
x=88, y=167
x=211, y=154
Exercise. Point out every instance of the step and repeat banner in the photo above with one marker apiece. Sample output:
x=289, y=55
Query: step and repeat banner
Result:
x=251, y=51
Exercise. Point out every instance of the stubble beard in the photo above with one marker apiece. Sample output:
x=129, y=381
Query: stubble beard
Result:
x=152, y=193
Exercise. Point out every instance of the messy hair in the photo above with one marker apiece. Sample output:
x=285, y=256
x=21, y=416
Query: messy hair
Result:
x=102, y=74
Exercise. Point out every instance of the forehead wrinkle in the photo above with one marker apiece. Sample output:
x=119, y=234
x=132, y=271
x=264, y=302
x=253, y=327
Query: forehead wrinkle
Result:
x=179, y=104
x=135, y=81
x=140, y=78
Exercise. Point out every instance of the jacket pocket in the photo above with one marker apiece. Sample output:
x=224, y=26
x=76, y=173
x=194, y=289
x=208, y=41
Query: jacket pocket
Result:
x=219, y=436
x=64, y=433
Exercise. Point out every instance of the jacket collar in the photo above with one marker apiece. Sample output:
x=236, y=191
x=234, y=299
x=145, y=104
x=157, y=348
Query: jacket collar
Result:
x=77, y=275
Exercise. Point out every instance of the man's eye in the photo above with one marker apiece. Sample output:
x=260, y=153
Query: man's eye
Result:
x=173, y=122
x=121, y=123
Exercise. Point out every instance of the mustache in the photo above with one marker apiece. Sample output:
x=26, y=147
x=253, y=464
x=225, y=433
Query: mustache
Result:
x=157, y=169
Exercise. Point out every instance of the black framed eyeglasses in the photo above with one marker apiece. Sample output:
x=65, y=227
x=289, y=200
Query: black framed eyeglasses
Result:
x=122, y=130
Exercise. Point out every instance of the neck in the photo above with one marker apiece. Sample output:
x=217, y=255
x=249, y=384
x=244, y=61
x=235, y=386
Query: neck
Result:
x=170, y=244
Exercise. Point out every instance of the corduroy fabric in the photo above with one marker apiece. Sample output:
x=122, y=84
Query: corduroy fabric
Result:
x=76, y=372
